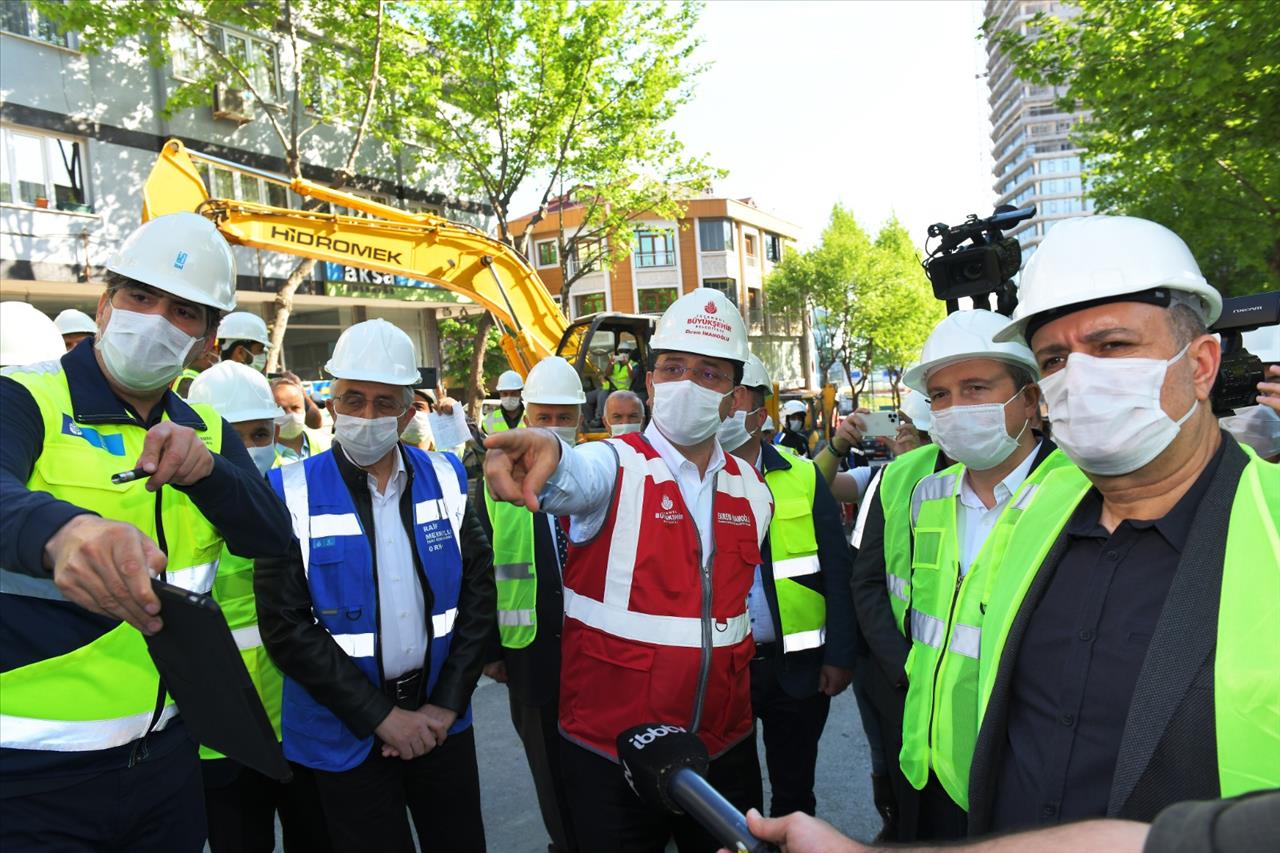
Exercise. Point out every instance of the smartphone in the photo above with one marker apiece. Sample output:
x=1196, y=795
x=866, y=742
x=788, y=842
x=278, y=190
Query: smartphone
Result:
x=880, y=424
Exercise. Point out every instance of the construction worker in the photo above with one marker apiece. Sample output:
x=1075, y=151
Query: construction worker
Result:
x=95, y=755
x=913, y=424
x=298, y=435
x=511, y=409
x=380, y=613
x=768, y=431
x=1130, y=644
x=665, y=532
x=527, y=563
x=623, y=375
x=983, y=398
x=241, y=804
x=75, y=326
x=418, y=432
x=793, y=413
x=801, y=611
x=623, y=413
x=27, y=335
x=243, y=337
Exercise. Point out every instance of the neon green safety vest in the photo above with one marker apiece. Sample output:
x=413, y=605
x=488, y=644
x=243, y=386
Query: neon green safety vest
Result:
x=105, y=693
x=896, y=485
x=793, y=545
x=939, y=723
x=515, y=571
x=180, y=385
x=495, y=422
x=1246, y=691
x=619, y=377
x=233, y=590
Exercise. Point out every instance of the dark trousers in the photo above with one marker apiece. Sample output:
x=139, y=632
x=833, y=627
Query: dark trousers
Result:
x=610, y=818
x=538, y=728
x=938, y=817
x=364, y=807
x=889, y=702
x=155, y=806
x=241, y=805
x=792, y=728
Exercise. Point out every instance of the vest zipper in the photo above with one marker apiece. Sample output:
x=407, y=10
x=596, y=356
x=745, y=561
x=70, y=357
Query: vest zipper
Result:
x=704, y=672
x=946, y=643
x=140, y=751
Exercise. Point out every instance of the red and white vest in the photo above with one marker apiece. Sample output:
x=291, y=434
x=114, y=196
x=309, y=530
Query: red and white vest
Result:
x=649, y=636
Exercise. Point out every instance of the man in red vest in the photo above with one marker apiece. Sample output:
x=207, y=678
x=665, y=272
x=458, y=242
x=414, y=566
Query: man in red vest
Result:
x=665, y=533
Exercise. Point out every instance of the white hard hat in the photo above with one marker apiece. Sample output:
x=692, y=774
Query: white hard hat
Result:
x=1264, y=343
x=237, y=391
x=27, y=335
x=73, y=321
x=756, y=375
x=962, y=336
x=375, y=351
x=553, y=381
x=182, y=254
x=244, y=326
x=792, y=407
x=768, y=425
x=703, y=322
x=916, y=407
x=510, y=381
x=1094, y=259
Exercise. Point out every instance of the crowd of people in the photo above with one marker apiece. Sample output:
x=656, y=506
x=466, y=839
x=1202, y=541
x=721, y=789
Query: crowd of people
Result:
x=1058, y=609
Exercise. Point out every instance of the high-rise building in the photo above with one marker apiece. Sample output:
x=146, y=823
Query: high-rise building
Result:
x=1035, y=162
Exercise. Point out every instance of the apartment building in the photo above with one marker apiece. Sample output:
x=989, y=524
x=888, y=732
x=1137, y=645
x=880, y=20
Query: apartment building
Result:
x=78, y=136
x=1035, y=161
x=725, y=244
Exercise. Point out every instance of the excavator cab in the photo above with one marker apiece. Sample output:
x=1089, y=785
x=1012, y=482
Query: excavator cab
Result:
x=589, y=344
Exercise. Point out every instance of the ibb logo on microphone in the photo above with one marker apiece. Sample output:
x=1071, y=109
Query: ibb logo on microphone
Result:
x=651, y=734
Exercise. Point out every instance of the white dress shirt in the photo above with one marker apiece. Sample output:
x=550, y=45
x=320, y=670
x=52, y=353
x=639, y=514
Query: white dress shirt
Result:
x=582, y=485
x=402, y=626
x=757, y=602
x=975, y=521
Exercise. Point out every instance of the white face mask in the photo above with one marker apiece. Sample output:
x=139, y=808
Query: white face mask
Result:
x=1106, y=412
x=687, y=413
x=263, y=457
x=975, y=435
x=291, y=425
x=259, y=362
x=732, y=432
x=795, y=424
x=623, y=429
x=567, y=434
x=419, y=429
x=366, y=440
x=143, y=352
x=1256, y=426
x=510, y=403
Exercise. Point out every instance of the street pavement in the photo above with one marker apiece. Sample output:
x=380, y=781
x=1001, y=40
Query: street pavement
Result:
x=513, y=824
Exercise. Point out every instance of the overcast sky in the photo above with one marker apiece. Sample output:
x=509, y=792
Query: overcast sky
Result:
x=873, y=104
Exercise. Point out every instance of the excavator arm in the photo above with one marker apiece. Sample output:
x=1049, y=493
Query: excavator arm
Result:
x=421, y=246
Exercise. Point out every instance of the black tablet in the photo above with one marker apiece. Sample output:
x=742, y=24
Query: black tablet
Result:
x=203, y=671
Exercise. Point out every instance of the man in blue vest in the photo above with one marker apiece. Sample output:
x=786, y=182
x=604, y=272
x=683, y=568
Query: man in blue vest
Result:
x=800, y=605
x=95, y=755
x=380, y=614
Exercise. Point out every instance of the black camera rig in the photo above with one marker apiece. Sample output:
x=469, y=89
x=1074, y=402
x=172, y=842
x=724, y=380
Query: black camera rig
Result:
x=1236, y=386
x=986, y=266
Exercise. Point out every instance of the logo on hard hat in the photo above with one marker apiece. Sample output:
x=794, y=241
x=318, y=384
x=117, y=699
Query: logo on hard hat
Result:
x=180, y=261
x=710, y=307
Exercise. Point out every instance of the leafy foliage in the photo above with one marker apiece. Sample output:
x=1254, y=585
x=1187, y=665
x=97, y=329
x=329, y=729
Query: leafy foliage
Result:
x=457, y=344
x=1184, y=119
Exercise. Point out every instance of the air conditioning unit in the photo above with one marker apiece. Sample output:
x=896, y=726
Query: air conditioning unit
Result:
x=232, y=104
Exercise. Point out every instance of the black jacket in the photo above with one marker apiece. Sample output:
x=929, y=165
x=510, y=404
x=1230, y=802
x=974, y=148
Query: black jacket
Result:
x=798, y=672
x=1168, y=753
x=305, y=652
x=533, y=673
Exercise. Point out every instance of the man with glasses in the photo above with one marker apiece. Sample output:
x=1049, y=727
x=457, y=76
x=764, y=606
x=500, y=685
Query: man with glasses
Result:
x=664, y=537
x=380, y=613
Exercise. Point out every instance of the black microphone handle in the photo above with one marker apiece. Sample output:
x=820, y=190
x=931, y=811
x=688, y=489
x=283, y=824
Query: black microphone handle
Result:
x=716, y=815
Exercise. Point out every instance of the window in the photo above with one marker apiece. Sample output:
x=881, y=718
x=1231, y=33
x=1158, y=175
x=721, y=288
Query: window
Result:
x=727, y=286
x=588, y=253
x=588, y=303
x=772, y=248
x=749, y=245
x=41, y=170
x=547, y=254
x=257, y=57
x=224, y=183
x=24, y=19
x=715, y=235
x=655, y=247
x=655, y=300
x=184, y=53
x=755, y=308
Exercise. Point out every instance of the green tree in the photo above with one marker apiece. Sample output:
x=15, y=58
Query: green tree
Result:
x=1183, y=99
x=459, y=339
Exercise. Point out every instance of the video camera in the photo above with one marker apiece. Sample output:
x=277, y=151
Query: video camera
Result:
x=1236, y=386
x=986, y=266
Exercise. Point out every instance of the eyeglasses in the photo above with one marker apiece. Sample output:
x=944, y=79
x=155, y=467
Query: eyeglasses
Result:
x=354, y=403
x=702, y=375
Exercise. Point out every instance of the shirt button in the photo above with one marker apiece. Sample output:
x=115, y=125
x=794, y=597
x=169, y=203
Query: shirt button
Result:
x=1085, y=634
x=1048, y=810
x=1067, y=719
x=1112, y=555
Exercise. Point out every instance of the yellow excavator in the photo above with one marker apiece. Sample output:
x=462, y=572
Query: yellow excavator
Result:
x=421, y=246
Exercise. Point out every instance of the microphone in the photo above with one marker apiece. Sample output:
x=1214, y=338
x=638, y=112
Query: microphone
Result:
x=664, y=764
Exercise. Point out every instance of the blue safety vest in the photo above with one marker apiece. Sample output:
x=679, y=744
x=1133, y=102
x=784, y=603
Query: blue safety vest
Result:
x=344, y=594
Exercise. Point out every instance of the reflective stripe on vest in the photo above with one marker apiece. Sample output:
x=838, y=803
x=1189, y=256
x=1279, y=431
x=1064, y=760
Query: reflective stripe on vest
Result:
x=793, y=549
x=104, y=693
x=514, y=572
x=683, y=631
x=898, y=481
x=247, y=638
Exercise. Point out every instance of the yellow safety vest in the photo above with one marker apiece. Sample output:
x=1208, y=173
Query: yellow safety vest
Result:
x=515, y=571
x=896, y=485
x=793, y=546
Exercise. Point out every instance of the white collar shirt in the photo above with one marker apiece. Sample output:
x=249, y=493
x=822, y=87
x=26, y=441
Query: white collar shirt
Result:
x=974, y=520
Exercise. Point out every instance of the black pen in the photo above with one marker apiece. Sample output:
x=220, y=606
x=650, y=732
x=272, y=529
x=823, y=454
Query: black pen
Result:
x=128, y=476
